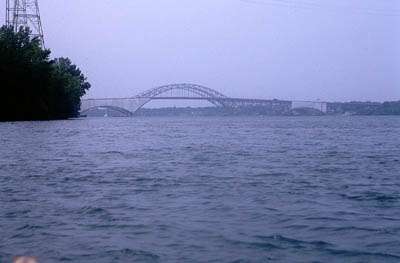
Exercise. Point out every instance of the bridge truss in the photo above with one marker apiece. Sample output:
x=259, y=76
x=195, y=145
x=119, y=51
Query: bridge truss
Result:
x=184, y=91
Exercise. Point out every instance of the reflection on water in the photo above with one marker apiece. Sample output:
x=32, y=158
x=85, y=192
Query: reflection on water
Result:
x=280, y=189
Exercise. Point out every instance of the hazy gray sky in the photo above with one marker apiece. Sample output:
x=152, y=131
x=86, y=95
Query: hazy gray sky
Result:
x=335, y=50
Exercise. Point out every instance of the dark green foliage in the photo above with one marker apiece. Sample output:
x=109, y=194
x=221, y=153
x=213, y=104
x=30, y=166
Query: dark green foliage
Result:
x=68, y=86
x=32, y=86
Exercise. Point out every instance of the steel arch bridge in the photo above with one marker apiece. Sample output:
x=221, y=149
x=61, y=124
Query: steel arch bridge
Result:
x=184, y=91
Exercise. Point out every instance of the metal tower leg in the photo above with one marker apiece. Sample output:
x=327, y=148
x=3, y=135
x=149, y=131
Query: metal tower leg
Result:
x=25, y=13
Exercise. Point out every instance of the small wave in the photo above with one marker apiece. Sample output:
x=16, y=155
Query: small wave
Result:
x=297, y=226
x=371, y=196
x=318, y=218
x=22, y=236
x=355, y=253
x=110, y=153
x=44, y=160
x=132, y=253
x=385, y=244
x=283, y=239
x=349, y=228
x=249, y=244
x=88, y=210
x=271, y=174
x=28, y=227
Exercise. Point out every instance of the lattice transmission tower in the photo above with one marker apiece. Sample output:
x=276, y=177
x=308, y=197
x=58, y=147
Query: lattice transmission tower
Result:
x=25, y=13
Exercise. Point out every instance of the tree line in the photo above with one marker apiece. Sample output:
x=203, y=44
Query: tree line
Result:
x=33, y=86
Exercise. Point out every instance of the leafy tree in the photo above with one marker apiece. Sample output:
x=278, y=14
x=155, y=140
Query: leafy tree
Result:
x=24, y=71
x=32, y=86
x=69, y=85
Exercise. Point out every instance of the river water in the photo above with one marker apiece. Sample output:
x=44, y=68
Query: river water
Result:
x=223, y=189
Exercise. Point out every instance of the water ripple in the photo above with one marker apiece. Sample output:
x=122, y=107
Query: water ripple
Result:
x=278, y=189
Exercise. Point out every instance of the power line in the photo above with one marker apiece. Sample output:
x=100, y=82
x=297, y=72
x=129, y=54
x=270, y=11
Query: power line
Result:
x=312, y=5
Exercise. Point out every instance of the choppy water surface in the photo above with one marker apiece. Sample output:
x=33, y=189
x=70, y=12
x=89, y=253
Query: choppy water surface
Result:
x=281, y=189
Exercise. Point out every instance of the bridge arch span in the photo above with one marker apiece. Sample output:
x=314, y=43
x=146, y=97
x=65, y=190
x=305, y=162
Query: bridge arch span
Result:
x=183, y=91
x=126, y=113
x=310, y=105
x=191, y=89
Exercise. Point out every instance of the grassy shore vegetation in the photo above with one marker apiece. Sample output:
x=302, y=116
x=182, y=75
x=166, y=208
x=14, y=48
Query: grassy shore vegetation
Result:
x=33, y=86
